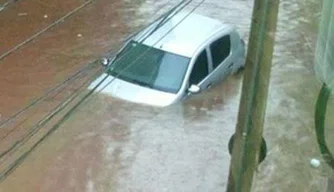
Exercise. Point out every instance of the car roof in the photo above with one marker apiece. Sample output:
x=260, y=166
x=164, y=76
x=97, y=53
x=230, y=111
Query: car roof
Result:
x=182, y=34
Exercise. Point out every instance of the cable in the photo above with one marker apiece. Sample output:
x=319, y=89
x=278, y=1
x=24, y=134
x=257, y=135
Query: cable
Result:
x=52, y=90
x=33, y=103
x=15, y=144
x=34, y=129
x=46, y=118
x=148, y=49
x=2, y=123
x=7, y=171
x=15, y=164
x=167, y=17
x=39, y=99
x=160, y=24
x=48, y=92
x=6, y=4
x=45, y=29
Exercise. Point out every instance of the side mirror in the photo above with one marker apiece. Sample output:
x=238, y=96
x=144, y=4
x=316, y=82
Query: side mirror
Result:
x=194, y=89
x=105, y=61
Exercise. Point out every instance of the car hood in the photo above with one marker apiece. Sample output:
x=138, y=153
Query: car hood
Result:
x=132, y=92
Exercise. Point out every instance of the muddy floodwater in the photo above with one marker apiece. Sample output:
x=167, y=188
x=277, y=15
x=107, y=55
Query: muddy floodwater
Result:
x=107, y=144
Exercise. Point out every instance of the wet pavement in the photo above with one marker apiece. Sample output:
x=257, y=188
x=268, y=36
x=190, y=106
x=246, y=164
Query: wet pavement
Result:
x=112, y=145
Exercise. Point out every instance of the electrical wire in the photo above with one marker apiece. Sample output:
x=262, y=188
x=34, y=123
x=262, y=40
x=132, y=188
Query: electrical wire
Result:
x=77, y=73
x=52, y=90
x=46, y=118
x=6, y=4
x=34, y=129
x=167, y=17
x=45, y=29
x=36, y=101
x=4, y=122
x=148, y=49
x=47, y=93
x=15, y=164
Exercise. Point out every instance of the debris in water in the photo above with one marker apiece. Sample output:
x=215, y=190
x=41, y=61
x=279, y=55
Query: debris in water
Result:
x=79, y=35
x=315, y=163
x=45, y=16
x=22, y=14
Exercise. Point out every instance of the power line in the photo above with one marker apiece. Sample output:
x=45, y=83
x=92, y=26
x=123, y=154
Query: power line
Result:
x=165, y=18
x=35, y=128
x=47, y=93
x=36, y=101
x=73, y=76
x=52, y=90
x=16, y=163
x=148, y=49
x=6, y=4
x=2, y=138
x=46, y=118
x=45, y=29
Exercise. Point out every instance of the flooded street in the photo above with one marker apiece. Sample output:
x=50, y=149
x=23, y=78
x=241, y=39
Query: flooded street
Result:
x=111, y=145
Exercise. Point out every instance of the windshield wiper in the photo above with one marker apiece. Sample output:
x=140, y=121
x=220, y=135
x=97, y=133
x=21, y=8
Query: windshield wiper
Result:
x=144, y=84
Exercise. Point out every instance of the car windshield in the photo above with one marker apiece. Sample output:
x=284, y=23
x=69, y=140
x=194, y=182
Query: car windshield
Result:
x=150, y=67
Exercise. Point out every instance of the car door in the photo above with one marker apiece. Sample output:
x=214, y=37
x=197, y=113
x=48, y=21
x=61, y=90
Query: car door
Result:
x=200, y=71
x=221, y=58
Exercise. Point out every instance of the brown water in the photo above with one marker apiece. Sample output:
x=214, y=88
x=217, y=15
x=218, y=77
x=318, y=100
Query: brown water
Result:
x=112, y=145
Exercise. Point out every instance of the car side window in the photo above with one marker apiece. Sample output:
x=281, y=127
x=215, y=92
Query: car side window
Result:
x=220, y=50
x=200, y=69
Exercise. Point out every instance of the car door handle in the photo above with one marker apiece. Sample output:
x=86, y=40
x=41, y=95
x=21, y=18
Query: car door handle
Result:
x=230, y=65
x=209, y=86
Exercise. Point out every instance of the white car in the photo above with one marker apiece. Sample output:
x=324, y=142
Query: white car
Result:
x=162, y=65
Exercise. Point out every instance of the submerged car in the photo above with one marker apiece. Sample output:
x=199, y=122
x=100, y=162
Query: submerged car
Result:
x=172, y=59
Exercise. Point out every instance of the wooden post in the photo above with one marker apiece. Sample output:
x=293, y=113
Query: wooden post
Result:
x=248, y=135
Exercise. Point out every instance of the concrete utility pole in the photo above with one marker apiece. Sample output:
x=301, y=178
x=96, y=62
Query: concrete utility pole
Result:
x=248, y=135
